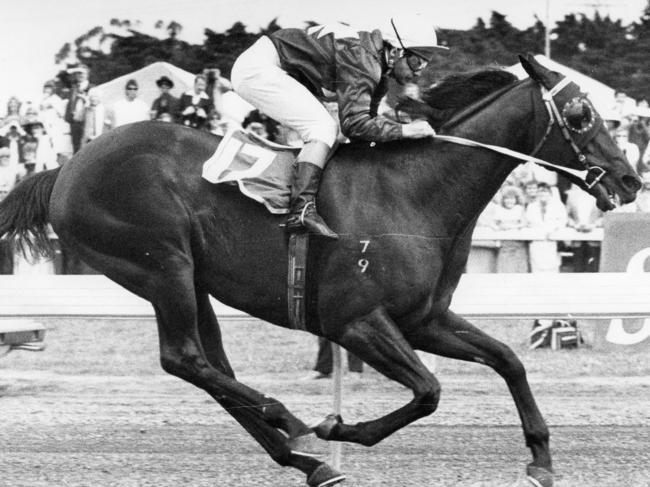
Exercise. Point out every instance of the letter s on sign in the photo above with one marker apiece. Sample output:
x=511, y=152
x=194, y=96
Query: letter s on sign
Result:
x=616, y=332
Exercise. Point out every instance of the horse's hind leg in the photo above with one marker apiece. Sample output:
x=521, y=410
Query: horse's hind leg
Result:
x=302, y=439
x=454, y=337
x=376, y=340
x=182, y=354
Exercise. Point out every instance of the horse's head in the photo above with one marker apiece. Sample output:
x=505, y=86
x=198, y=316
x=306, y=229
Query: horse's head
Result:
x=576, y=137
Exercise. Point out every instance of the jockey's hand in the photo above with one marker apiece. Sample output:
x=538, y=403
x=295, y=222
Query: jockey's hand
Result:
x=189, y=110
x=417, y=130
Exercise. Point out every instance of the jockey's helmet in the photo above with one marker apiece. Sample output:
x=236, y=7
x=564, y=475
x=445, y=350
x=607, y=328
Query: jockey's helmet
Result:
x=414, y=33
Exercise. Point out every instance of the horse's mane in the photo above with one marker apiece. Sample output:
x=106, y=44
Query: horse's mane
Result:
x=444, y=99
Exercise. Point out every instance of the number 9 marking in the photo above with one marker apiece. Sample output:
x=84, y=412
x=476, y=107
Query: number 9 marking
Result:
x=363, y=263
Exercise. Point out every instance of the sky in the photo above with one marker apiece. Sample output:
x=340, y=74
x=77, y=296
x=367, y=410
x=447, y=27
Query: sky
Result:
x=32, y=31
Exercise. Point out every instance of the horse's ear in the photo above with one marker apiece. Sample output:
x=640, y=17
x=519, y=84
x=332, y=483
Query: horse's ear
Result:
x=535, y=70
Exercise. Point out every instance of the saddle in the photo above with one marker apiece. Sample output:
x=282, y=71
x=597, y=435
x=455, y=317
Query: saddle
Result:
x=262, y=171
x=260, y=168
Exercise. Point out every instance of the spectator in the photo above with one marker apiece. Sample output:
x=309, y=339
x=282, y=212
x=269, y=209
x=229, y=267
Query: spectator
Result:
x=13, y=112
x=530, y=191
x=13, y=134
x=76, y=107
x=8, y=171
x=194, y=106
x=584, y=216
x=325, y=361
x=52, y=110
x=44, y=156
x=639, y=132
x=95, y=117
x=644, y=119
x=623, y=105
x=129, y=109
x=264, y=126
x=6, y=246
x=643, y=197
x=612, y=122
x=509, y=215
x=546, y=214
x=630, y=150
x=166, y=102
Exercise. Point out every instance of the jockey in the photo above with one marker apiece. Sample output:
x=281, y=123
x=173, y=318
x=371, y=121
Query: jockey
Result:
x=287, y=74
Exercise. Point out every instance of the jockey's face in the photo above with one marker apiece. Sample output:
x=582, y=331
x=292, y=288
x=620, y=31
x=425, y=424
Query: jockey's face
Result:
x=408, y=68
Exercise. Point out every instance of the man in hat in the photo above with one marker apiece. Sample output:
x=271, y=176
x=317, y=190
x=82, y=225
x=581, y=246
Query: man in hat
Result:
x=130, y=109
x=76, y=108
x=166, y=102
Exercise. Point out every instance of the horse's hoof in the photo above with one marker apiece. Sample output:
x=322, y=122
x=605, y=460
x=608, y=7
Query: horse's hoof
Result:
x=308, y=445
x=539, y=476
x=325, y=428
x=324, y=475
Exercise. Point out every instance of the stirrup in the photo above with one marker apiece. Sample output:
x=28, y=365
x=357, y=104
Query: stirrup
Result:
x=301, y=218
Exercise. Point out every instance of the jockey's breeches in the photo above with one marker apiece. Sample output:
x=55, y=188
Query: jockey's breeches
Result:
x=259, y=79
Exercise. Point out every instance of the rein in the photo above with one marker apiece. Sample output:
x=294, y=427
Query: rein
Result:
x=554, y=117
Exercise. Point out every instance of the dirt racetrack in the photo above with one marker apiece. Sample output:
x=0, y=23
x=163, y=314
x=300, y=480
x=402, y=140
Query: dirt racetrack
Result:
x=95, y=409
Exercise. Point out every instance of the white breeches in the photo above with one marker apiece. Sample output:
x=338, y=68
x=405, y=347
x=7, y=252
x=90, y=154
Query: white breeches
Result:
x=258, y=78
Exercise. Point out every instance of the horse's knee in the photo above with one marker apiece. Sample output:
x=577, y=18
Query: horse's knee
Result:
x=181, y=365
x=508, y=364
x=428, y=399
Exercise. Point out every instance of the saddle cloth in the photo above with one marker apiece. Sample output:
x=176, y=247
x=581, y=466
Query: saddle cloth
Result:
x=261, y=169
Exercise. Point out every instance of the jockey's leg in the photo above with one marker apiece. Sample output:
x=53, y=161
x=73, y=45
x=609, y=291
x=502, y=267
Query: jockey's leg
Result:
x=260, y=80
x=307, y=171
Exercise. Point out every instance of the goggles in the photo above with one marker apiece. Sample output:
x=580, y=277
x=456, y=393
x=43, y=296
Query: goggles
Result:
x=579, y=115
x=415, y=62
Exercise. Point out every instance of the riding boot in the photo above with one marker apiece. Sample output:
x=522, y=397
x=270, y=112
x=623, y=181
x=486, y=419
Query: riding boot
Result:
x=303, y=215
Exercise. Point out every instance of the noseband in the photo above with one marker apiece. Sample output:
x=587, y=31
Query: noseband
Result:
x=572, y=118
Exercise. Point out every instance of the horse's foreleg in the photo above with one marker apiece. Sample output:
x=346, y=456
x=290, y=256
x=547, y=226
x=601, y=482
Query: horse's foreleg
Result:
x=182, y=354
x=454, y=337
x=376, y=340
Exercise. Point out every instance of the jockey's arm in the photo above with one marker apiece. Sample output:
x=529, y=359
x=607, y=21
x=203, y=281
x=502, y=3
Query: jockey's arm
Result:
x=358, y=76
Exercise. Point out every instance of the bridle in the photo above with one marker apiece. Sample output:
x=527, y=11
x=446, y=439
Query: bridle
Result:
x=595, y=173
x=565, y=119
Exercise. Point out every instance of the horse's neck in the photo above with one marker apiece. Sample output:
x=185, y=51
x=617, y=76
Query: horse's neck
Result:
x=508, y=122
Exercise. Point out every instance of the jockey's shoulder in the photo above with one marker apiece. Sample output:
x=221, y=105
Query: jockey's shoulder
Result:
x=341, y=33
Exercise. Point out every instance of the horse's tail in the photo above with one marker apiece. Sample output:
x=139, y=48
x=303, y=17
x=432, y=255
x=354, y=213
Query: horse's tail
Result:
x=24, y=213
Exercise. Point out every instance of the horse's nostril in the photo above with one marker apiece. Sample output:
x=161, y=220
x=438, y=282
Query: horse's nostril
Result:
x=632, y=183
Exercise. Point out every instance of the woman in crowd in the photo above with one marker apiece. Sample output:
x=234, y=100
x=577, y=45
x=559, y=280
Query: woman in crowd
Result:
x=194, y=106
x=546, y=214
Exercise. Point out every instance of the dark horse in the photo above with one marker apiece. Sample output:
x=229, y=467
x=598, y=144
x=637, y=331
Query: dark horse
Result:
x=134, y=206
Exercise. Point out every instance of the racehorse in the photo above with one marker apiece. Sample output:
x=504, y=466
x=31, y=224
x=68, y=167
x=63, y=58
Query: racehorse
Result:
x=133, y=205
